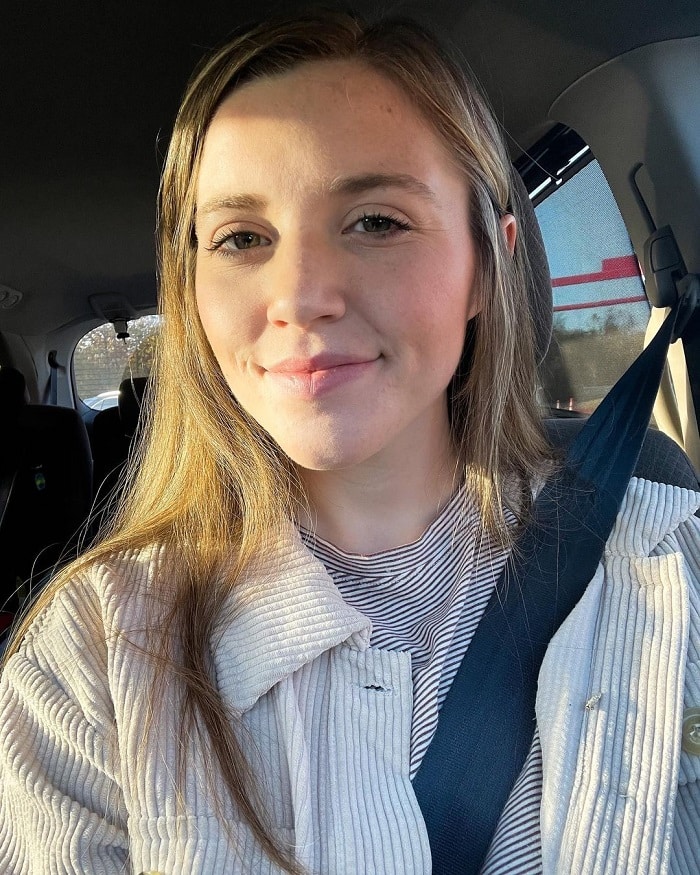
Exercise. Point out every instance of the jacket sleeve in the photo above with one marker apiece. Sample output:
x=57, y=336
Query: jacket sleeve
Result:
x=61, y=805
x=685, y=850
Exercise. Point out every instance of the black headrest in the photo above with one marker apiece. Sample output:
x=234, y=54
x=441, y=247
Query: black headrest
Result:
x=540, y=283
x=131, y=392
x=660, y=460
x=12, y=392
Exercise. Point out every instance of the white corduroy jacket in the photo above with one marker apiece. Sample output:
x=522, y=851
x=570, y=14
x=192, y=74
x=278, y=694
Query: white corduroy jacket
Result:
x=83, y=791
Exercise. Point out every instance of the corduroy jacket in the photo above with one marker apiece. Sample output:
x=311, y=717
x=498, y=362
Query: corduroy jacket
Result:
x=85, y=790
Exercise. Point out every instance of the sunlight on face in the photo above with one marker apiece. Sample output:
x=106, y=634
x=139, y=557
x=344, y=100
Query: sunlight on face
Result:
x=335, y=264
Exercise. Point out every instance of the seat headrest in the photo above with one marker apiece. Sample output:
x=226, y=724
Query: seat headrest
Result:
x=540, y=283
x=131, y=392
x=12, y=391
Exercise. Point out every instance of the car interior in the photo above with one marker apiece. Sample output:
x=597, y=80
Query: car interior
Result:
x=598, y=104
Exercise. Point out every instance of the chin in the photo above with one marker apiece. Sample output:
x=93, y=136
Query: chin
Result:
x=326, y=457
x=320, y=445
x=323, y=461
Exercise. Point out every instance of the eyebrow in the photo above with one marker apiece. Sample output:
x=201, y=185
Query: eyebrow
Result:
x=367, y=181
x=234, y=202
x=342, y=185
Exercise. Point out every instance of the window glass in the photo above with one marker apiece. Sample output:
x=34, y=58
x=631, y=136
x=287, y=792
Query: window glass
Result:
x=101, y=360
x=600, y=308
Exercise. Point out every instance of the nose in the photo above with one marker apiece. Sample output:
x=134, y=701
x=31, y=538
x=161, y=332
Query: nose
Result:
x=307, y=282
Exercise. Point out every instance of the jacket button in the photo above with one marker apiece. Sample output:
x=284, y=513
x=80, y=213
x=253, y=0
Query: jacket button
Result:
x=690, y=741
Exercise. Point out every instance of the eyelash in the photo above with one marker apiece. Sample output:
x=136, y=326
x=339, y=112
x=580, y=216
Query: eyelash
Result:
x=218, y=242
x=399, y=224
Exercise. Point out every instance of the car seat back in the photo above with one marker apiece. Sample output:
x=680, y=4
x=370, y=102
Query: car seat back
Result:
x=46, y=472
x=113, y=432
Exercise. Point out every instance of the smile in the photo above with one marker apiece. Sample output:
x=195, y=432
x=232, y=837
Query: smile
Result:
x=311, y=378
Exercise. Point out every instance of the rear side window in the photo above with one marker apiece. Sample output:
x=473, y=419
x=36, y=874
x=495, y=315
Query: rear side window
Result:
x=600, y=308
x=101, y=360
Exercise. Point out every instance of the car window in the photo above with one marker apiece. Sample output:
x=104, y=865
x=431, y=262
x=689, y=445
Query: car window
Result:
x=101, y=360
x=600, y=307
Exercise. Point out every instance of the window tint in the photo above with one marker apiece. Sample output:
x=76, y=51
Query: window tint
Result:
x=600, y=308
x=101, y=360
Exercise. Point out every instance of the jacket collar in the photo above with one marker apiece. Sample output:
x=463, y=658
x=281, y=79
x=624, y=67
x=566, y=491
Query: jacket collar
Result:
x=284, y=612
x=649, y=512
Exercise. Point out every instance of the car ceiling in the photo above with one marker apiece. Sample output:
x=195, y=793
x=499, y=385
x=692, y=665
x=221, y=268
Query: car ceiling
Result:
x=88, y=94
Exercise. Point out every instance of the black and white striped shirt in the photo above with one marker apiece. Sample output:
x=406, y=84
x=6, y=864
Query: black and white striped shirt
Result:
x=427, y=598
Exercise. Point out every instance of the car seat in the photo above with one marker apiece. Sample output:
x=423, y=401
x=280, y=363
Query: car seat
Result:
x=113, y=432
x=45, y=487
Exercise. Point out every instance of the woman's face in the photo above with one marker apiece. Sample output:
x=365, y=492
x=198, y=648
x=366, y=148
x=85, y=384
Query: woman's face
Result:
x=334, y=272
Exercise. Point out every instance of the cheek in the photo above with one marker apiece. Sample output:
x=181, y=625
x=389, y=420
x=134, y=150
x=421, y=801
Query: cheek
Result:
x=227, y=317
x=444, y=301
x=213, y=323
x=209, y=297
x=445, y=329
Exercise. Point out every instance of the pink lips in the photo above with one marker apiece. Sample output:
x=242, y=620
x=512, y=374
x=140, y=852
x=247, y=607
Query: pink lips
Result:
x=310, y=377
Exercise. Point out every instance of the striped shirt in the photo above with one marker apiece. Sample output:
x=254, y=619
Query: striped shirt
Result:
x=427, y=598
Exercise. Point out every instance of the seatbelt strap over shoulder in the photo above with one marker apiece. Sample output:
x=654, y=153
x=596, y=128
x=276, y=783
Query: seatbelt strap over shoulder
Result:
x=487, y=721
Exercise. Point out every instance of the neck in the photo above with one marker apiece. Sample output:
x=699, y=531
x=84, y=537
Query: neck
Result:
x=385, y=502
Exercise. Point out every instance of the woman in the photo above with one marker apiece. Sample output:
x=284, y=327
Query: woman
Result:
x=244, y=675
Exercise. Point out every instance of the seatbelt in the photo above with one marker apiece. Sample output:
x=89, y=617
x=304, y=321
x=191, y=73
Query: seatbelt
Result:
x=7, y=485
x=487, y=721
x=53, y=377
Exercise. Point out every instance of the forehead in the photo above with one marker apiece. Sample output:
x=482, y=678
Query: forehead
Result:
x=338, y=117
x=345, y=88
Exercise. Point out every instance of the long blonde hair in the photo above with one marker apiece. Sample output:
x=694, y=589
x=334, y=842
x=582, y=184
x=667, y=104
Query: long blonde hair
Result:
x=207, y=483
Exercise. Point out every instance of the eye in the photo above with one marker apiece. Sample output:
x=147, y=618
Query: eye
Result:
x=380, y=225
x=238, y=240
x=246, y=240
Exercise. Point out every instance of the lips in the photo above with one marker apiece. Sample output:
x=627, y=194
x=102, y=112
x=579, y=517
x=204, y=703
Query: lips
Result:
x=317, y=375
x=322, y=362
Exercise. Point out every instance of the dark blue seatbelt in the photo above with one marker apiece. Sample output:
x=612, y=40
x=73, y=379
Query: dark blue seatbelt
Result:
x=487, y=721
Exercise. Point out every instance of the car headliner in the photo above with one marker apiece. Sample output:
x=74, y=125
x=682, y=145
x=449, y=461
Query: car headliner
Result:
x=89, y=93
